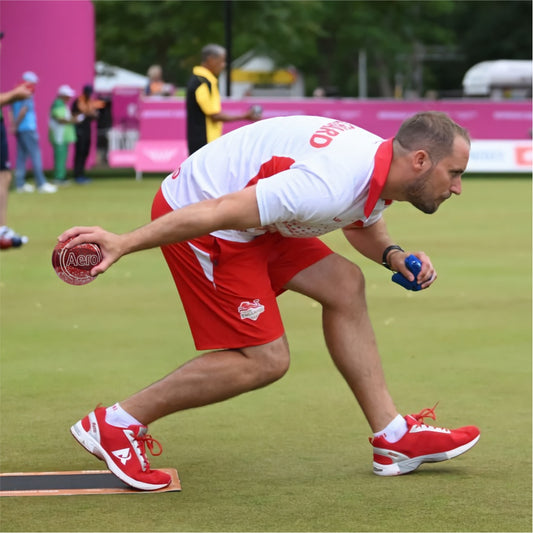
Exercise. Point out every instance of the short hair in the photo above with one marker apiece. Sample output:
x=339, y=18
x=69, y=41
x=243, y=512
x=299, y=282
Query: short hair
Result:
x=432, y=131
x=155, y=70
x=210, y=50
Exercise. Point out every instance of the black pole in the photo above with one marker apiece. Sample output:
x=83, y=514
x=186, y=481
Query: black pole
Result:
x=227, y=26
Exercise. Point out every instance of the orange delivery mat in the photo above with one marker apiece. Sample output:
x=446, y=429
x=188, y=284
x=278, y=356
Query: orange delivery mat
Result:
x=74, y=483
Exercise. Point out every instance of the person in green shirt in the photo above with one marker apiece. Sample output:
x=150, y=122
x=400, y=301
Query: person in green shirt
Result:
x=61, y=131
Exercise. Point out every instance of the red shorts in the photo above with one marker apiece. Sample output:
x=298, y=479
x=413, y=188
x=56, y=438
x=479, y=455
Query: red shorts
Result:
x=228, y=289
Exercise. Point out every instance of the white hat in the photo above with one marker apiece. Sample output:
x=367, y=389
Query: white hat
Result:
x=30, y=77
x=66, y=90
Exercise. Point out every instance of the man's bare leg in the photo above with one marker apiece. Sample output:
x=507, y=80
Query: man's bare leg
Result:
x=210, y=378
x=338, y=285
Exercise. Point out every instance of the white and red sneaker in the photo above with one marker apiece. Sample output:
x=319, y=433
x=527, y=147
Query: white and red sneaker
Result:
x=122, y=449
x=421, y=444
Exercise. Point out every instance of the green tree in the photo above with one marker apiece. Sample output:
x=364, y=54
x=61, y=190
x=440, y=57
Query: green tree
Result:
x=411, y=45
x=485, y=31
x=172, y=33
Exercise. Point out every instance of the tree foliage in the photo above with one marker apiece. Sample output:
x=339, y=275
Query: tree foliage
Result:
x=418, y=45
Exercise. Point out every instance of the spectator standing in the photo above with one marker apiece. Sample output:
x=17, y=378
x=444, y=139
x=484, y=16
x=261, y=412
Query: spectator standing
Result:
x=156, y=85
x=21, y=92
x=204, y=109
x=24, y=125
x=85, y=109
x=61, y=132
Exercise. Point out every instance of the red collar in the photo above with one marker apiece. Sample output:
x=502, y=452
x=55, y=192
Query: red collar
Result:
x=382, y=162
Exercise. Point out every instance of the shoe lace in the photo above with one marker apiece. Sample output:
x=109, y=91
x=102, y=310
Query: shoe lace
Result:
x=140, y=443
x=150, y=441
x=428, y=412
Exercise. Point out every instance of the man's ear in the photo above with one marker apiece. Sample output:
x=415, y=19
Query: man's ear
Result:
x=421, y=160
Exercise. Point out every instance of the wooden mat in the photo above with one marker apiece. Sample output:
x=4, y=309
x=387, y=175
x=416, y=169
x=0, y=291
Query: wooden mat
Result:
x=74, y=483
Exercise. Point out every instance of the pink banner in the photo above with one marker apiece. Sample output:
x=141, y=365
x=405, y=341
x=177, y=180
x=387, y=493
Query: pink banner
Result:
x=165, y=119
x=159, y=156
x=125, y=108
x=54, y=39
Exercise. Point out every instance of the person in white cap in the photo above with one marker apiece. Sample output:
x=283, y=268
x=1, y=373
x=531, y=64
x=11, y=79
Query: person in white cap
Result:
x=24, y=125
x=61, y=132
x=8, y=235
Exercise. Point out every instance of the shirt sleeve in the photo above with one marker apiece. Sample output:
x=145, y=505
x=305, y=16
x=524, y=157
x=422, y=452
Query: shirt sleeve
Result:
x=205, y=100
x=297, y=194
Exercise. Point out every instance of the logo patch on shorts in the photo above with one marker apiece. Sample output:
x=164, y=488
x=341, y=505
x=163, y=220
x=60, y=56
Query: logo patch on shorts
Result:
x=251, y=310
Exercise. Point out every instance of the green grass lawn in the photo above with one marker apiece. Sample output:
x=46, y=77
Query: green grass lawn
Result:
x=293, y=456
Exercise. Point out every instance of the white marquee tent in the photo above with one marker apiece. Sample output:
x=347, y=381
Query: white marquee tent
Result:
x=490, y=77
x=107, y=77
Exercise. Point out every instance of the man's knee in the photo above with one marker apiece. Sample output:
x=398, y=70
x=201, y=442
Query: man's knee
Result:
x=334, y=282
x=270, y=361
x=354, y=280
x=347, y=284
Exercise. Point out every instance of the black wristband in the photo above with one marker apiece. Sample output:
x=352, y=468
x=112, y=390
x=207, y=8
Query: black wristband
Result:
x=386, y=253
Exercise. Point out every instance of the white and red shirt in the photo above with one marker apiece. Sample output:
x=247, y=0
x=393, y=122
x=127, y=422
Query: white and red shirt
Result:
x=312, y=175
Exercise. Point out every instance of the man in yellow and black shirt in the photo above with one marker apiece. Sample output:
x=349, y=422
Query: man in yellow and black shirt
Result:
x=204, y=110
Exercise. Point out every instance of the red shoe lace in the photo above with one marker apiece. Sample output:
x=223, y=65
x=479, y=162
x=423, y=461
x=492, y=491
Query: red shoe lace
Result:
x=139, y=444
x=150, y=441
x=426, y=413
